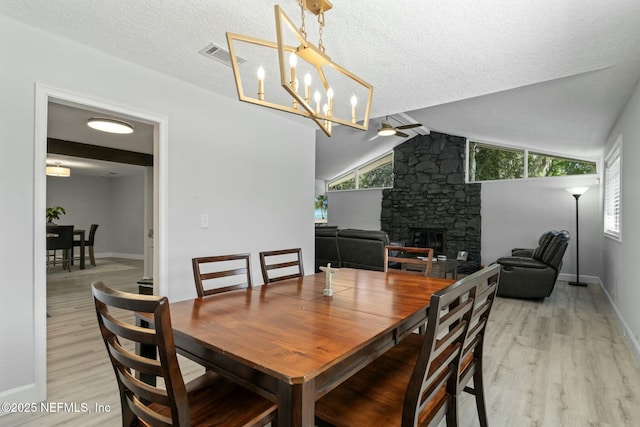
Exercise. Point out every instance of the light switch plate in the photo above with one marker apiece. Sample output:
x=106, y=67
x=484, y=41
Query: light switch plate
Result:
x=204, y=221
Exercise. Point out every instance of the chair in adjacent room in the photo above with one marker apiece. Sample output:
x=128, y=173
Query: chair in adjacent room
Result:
x=532, y=273
x=61, y=239
x=222, y=273
x=209, y=400
x=281, y=264
x=415, y=382
x=407, y=259
x=471, y=358
x=89, y=243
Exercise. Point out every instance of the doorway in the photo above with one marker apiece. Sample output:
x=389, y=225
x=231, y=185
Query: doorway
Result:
x=154, y=211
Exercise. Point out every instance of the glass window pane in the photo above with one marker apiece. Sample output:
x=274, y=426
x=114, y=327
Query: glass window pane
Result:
x=378, y=176
x=345, y=182
x=487, y=162
x=541, y=165
x=321, y=204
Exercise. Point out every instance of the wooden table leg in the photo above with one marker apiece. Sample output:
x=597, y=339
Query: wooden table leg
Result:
x=82, y=251
x=297, y=404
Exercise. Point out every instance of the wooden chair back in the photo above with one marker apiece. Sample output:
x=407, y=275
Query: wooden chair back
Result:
x=471, y=359
x=63, y=241
x=92, y=235
x=64, y=238
x=281, y=264
x=415, y=382
x=432, y=390
x=121, y=337
x=223, y=273
x=410, y=259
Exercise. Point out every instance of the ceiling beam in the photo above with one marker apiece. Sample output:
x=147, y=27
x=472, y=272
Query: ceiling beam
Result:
x=96, y=152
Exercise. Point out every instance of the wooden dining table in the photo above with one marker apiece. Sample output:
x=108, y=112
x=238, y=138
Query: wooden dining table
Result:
x=291, y=344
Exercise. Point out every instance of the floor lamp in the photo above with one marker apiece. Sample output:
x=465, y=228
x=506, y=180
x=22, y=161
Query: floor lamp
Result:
x=577, y=192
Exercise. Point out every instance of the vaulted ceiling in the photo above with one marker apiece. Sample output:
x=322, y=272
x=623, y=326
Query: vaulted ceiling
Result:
x=550, y=74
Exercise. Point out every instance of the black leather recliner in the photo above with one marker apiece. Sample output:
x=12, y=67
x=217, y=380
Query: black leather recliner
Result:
x=532, y=273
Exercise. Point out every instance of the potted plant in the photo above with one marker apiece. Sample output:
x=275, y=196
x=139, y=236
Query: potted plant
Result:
x=54, y=212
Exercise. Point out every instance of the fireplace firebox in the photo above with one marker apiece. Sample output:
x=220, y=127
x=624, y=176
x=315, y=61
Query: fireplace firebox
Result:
x=429, y=238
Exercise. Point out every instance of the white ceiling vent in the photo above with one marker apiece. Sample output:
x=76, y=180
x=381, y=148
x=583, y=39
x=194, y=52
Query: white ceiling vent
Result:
x=214, y=51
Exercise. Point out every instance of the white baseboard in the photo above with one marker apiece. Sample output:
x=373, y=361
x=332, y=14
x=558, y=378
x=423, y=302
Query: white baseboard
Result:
x=120, y=255
x=631, y=340
x=583, y=279
x=22, y=394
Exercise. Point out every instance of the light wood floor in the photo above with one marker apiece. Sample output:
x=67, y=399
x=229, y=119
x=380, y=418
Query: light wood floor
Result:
x=557, y=362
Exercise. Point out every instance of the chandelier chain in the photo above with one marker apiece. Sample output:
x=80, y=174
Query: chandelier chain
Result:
x=303, y=29
x=320, y=28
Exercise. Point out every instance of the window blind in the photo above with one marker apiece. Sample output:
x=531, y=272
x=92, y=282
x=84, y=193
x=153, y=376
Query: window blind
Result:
x=612, y=208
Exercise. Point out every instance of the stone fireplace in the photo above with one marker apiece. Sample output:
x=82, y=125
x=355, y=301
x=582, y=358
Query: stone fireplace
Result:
x=430, y=204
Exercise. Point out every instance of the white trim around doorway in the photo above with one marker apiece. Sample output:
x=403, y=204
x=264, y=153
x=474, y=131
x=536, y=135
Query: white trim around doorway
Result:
x=43, y=94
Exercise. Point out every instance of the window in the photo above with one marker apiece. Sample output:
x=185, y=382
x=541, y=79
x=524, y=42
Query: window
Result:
x=612, y=177
x=541, y=165
x=345, y=182
x=489, y=163
x=377, y=173
x=321, y=204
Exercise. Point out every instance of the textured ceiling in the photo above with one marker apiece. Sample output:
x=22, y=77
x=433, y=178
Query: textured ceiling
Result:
x=552, y=74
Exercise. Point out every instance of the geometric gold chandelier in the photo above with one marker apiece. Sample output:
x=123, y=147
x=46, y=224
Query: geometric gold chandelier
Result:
x=310, y=84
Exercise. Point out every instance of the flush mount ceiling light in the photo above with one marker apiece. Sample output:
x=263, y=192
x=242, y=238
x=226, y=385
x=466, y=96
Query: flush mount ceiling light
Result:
x=58, y=170
x=110, y=125
x=326, y=94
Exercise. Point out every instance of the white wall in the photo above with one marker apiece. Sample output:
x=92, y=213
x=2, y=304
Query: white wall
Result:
x=355, y=209
x=620, y=258
x=253, y=174
x=115, y=204
x=127, y=217
x=516, y=213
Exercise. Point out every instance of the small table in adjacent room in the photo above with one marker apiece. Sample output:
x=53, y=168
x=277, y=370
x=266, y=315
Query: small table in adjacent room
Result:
x=82, y=234
x=440, y=268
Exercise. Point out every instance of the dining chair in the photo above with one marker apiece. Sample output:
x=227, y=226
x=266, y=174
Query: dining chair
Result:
x=89, y=243
x=208, y=400
x=408, y=259
x=413, y=383
x=471, y=358
x=221, y=273
x=281, y=264
x=63, y=240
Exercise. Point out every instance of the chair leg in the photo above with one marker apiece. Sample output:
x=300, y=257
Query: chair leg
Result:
x=66, y=262
x=478, y=387
x=92, y=256
x=452, y=413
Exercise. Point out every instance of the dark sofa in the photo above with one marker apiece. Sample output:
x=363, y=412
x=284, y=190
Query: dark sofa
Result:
x=532, y=273
x=350, y=248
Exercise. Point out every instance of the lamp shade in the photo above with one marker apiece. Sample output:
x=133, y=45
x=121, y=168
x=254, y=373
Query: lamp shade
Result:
x=577, y=191
x=110, y=125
